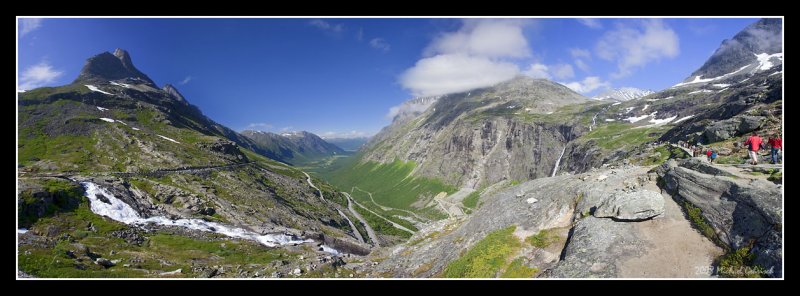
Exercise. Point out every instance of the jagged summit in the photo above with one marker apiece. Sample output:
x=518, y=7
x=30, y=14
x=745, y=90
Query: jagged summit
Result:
x=107, y=66
x=756, y=48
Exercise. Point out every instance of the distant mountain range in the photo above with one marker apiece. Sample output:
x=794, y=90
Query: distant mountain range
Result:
x=623, y=94
x=293, y=147
x=348, y=144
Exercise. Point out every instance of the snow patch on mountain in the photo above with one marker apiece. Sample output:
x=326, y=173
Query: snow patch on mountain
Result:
x=764, y=62
x=168, y=139
x=94, y=88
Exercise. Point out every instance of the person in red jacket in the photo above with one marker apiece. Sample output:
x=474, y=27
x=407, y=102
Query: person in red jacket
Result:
x=754, y=143
x=708, y=154
x=777, y=145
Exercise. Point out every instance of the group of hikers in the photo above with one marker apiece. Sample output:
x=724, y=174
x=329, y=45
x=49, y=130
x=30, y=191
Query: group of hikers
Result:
x=754, y=144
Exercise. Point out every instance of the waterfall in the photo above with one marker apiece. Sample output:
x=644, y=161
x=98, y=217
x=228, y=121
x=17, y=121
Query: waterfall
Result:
x=555, y=168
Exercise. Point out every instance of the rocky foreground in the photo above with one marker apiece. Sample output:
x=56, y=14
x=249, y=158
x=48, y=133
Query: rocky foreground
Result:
x=622, y=222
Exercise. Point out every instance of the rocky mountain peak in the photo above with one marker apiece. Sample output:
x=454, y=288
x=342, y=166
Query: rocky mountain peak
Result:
x=124, y=57
x=762, y=38
x=107, y=66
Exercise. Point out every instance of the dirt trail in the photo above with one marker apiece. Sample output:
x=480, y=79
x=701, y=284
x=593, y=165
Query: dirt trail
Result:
x=676, y=249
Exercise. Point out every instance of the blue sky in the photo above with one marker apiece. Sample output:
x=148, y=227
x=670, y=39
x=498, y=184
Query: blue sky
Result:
x=340, y=77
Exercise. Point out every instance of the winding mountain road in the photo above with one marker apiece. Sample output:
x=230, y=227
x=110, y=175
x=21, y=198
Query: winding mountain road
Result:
x=353, y=226
x=370, y=231
x=398, y=226
x=387, y=208
x=308, y=179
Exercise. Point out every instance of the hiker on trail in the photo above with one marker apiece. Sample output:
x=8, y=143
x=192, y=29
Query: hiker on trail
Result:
x=753, y=143
x=708, y=154
x=713, y=155
x=777, y=146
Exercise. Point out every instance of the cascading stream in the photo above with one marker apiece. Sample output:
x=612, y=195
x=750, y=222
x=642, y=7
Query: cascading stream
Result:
x=118, y=210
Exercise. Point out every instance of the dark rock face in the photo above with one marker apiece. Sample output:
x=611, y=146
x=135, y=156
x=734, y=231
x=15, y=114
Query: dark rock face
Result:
x=740, y=211
x=736, y=126
x=107, y=66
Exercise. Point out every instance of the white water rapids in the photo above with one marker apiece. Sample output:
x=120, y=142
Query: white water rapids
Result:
x=122, y=212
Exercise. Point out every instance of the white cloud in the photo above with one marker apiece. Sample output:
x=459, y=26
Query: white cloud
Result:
x=538, y=71
x=449, y=73
x=27, y=25
x=258, y=126
x=380, y=44
x=582, y=65
x=483, y=37
x=587, y=85
x=562, y=71
x=559, y=71
x=580, y=53
x=634, y=46
x=344, y=135
x=185, y=80
x=38, y=75
x=409, y=108
x=591, y=23
x=474, y=56
x=332, y=27
x=286, y=128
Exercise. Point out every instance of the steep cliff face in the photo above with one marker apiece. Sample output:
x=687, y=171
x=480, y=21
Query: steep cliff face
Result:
x=515, y=130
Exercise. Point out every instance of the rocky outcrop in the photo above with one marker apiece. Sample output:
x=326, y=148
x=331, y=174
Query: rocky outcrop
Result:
x=633, y=206
x=592, y=246
x=225, y=148
x=742, y=212
x=40, y=198
x=736, y=126
x=172, y=91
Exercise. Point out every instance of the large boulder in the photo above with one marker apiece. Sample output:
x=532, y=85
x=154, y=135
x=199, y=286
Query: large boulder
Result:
x=632, y=206
x=595, y=247
x=736, y=126
x=741, y=211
